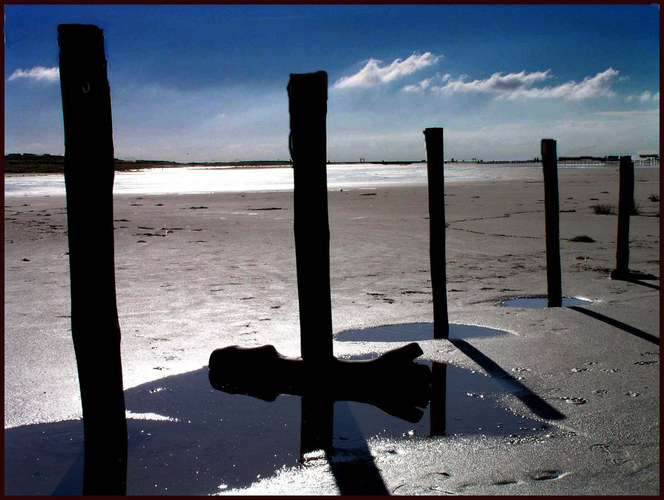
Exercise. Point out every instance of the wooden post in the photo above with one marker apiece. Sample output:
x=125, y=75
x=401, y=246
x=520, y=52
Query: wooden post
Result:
x=625, y=209
x=307, y=95
x=552, y=223
x=86, y=106
x=436, y=182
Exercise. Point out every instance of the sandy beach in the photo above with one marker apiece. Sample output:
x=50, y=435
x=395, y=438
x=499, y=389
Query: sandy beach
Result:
x=196, y=272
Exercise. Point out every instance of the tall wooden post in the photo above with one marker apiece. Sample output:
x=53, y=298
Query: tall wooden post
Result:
x=625, y=209
x=436, y=183
x=86, y=105
x=307, y=95
x=552, y=223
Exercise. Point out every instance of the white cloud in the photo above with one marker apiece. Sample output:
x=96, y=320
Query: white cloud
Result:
x=38, y=73
x=419, y=87
x=522, y=85
x=497, y=83
x=646, y=96
x=373, y=74
x=590, y=87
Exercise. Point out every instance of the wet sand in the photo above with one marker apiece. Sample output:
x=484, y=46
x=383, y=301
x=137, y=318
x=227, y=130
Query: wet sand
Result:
x=198, y=272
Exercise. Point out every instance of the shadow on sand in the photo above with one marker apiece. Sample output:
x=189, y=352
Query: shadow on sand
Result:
x=187, y=438
x=457, y=334
x=618, y=324
x=637, y=278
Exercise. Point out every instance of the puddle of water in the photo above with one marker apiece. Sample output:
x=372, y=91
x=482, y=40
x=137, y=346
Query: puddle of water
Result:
x=541, y=302
x=203, y=441
x=210, y=439
x=413, y=332
x=464, y=403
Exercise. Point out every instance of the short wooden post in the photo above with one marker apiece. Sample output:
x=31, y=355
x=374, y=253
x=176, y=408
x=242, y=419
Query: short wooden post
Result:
x=552, y=223
x=89, y=172
x=307, y=95
x=436, y=183
x=625, y=209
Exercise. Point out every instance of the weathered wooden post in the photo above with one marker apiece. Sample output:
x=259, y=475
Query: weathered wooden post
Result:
x=625, y=209
x=307, y=94
x=89, y=171
x=552, y=223
x=436, y=182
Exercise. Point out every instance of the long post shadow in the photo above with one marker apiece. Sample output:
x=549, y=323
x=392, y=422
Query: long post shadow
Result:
x=643, y=283
x=637, y=277
x=536, y=404
x=618, y=324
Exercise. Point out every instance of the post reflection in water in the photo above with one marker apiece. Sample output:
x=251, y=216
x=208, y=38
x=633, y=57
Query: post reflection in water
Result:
x=317, y=424
x=392, y=382
x=438, y=408
x=360, y=476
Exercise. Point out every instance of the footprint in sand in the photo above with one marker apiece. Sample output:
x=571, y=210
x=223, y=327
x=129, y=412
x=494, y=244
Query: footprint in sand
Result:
x=506, y=482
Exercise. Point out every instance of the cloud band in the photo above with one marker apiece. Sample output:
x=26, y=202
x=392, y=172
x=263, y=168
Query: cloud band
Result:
x=38, y=73
x=373, y=74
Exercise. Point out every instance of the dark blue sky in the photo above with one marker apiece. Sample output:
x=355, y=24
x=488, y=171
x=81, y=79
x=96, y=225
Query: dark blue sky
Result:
x=208, y=82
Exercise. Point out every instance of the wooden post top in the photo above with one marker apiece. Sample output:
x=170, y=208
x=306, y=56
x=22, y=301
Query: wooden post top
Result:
x=86, y=37
x=433, y=132
x=306, y=82
x=548, y=147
